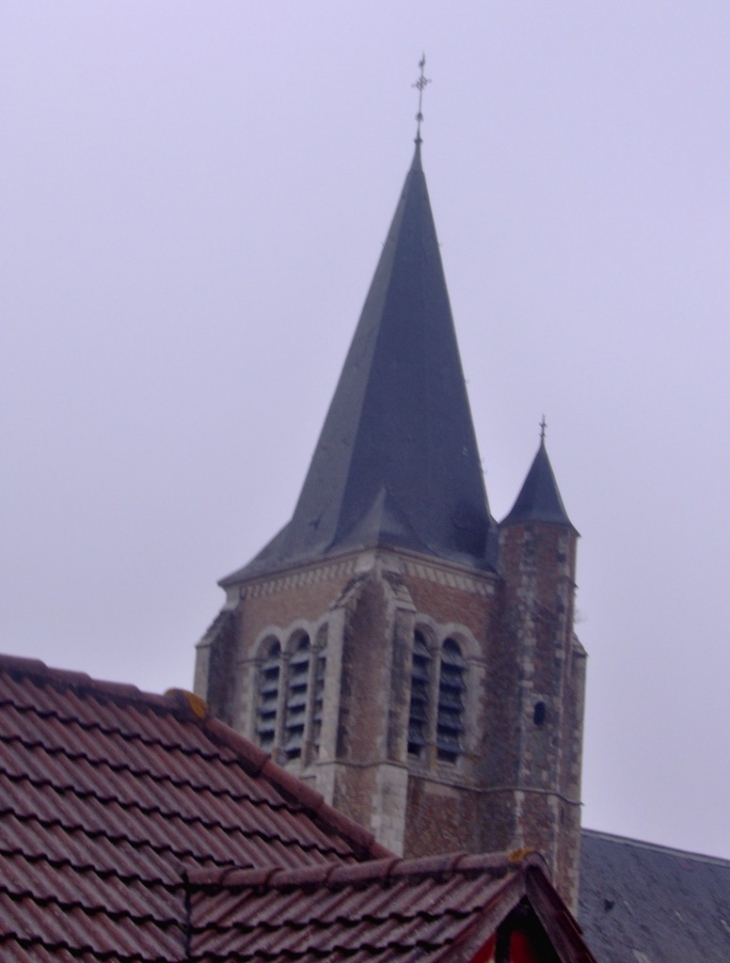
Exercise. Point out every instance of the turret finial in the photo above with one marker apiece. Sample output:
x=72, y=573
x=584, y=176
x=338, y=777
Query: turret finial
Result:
x=419, y=85
x=543, y=426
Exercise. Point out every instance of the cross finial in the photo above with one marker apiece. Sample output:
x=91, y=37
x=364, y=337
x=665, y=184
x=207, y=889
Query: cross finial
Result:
x=419, y=85
x=543, y=426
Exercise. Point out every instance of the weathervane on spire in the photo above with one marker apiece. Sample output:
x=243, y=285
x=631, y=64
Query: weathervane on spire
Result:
x=543, y=426
x=419, y=85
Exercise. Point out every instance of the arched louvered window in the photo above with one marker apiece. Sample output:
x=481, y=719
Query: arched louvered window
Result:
x=269, y=681
x=320, y=671
x=420, y=696
x=296, y=699
x=449, y=720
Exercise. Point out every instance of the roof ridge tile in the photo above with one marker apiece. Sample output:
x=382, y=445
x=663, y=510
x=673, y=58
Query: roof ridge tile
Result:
x=67, y=678
x=335, y=875
x=107, y=729
x=246, y=752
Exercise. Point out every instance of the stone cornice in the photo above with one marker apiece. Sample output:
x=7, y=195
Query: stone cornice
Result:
x=452, y=577
x=295, y=579
x=440, y=572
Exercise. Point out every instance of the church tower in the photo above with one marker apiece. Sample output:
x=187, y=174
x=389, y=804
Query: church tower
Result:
x=393, y=645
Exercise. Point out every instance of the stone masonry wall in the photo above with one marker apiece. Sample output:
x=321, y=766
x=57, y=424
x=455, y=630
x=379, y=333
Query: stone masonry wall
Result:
x=538, y=564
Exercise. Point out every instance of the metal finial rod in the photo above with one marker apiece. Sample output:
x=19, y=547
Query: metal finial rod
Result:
x=419, y=85
x=543, y=426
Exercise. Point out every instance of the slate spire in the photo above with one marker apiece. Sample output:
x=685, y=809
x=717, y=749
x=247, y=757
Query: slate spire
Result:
x=397, y=462
x=539, y=498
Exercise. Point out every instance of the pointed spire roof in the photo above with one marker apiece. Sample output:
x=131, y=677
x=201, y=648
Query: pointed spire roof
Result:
x=397, y=462
x=539, y=499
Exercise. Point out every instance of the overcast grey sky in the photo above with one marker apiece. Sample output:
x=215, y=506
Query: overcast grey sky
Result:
x=193, y=197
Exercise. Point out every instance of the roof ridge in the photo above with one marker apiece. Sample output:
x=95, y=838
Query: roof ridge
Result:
x=348, y=874
x=106, y=729
x=655, y=847
x=68, y=678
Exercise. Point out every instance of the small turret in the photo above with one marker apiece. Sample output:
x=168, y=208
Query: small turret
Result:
x=537, y=561
x=539, y=498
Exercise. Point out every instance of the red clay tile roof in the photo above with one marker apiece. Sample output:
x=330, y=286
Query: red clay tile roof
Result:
x=135, y=828
x=109, y=795
x=386, y=909
x=430, y=910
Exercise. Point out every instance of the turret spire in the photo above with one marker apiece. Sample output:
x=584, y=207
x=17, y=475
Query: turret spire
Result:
x=539, y=498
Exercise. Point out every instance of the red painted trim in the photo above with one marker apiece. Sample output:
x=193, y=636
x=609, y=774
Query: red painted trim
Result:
x=485, y=954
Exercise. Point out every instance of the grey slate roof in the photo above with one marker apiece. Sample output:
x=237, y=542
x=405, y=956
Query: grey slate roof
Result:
x=539, y=498
x=641, y=903
x=397, y=462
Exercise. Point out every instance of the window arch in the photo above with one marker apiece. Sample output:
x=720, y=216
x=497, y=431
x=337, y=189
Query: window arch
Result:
x=267, y=705
x=297, y=687
x=289, y=689
x=450, y=712
x=418, y=713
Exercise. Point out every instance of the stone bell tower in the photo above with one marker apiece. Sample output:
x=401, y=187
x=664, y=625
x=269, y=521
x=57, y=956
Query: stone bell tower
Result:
x=393, y=645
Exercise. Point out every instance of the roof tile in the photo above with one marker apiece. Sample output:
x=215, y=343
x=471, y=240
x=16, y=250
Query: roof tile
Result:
x=21, y=877
x=338, y=912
